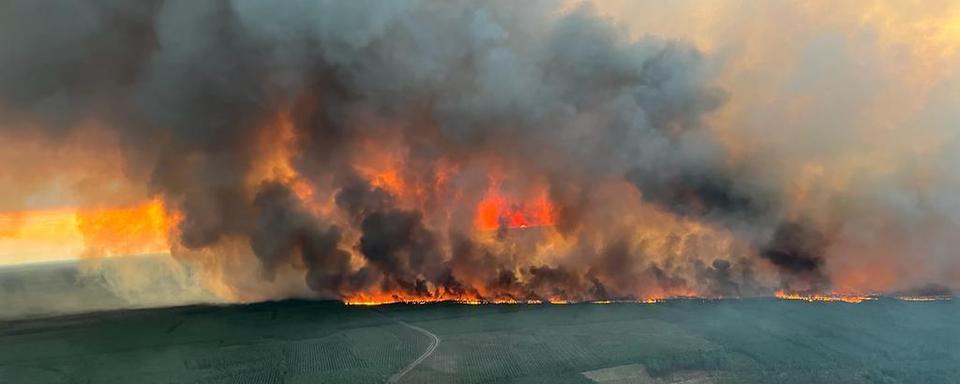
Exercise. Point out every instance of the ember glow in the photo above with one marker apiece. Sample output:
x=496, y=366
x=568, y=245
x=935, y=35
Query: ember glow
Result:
x=379, y=300
x=823, y=297
x=66, y=233
x=140, y=229
x=398, y=300
x=506, y=152
x=496, y=211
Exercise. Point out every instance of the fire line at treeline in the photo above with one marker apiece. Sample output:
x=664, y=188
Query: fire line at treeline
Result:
x=144, y=228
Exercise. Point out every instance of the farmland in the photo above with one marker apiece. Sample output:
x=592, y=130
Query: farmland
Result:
x=686, y=341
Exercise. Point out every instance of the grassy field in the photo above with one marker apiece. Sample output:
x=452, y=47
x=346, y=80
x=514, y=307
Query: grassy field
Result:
x=731, y=341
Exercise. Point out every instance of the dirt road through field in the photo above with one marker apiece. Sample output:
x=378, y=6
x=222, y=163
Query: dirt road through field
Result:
x=395, y=378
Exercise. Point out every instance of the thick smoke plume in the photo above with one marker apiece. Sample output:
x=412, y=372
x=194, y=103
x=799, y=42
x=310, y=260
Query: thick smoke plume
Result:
x=418, y=150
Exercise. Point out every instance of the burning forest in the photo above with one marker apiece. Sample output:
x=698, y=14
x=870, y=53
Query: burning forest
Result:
x=502, y=152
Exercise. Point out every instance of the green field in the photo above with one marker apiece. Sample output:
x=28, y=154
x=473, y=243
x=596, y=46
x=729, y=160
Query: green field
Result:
x=730, y=341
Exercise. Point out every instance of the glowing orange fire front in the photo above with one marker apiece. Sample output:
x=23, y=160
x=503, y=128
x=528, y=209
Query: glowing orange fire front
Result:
x=365, y=300
x=495, y=211
x=820, y=297
x=386, y=298
x=144, y=228
x=70, y=233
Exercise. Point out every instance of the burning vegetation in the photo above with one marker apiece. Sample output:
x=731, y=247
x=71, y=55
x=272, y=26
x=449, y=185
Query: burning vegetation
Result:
x=823, y=297
x=474, y=153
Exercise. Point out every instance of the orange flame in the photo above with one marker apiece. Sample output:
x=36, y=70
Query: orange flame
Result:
x=386, y=298
x=69, y=233
x=366, y=300
x=817, y=297
x=140, y=229
x=495, y=210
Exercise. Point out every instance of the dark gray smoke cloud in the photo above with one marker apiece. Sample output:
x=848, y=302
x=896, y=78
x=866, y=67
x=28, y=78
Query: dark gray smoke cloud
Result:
x=799, y=249
x=286, y=229
x=398, y=244
x=190, y=85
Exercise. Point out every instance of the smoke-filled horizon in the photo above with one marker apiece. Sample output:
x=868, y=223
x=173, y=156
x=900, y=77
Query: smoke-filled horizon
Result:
x=508, y=151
